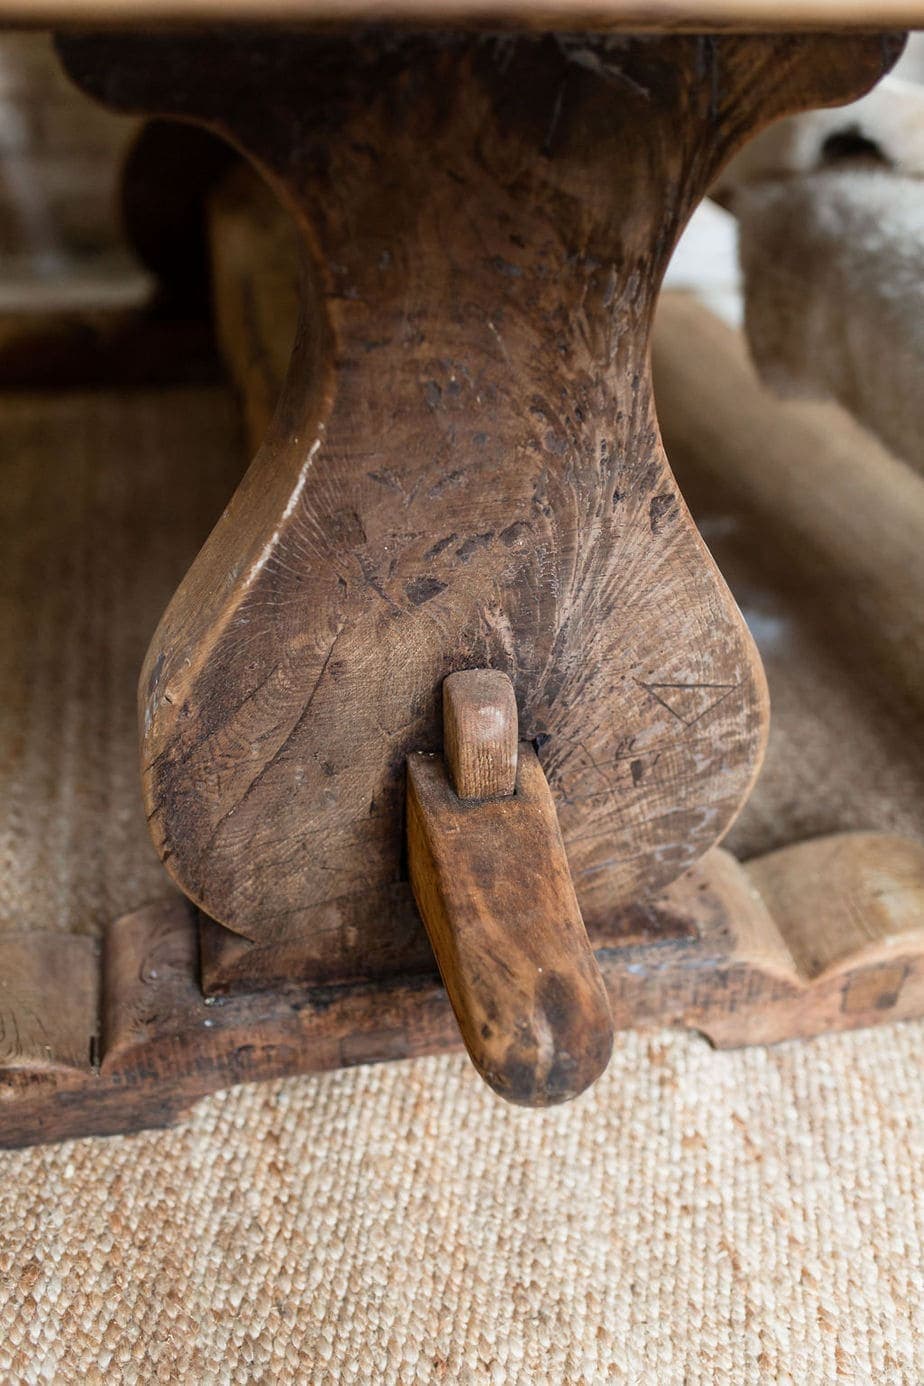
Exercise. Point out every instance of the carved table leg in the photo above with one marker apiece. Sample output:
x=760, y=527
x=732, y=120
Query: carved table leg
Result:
x=464, y=471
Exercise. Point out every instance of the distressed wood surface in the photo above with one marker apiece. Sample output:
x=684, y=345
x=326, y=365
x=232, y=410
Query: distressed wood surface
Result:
x=754, y=974
x=856, y=563
x=465, y=467
x=491, y=880
x=726, y=949
x=492, y=884
x=710, y=951
x=636, y=16
x=49, y=1004
x=820, y=883
x=480, y=733
x=814, y=525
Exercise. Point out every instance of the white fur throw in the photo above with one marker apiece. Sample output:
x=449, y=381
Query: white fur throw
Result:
x=833, y=266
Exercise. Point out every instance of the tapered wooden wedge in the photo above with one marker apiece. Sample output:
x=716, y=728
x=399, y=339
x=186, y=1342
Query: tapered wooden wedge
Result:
x=492, y=882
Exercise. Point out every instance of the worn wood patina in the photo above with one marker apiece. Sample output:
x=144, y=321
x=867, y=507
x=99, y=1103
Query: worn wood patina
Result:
x=464, y=469
x=464, y=473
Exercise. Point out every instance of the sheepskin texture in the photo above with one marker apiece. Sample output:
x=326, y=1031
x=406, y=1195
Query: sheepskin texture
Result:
x=833, y=265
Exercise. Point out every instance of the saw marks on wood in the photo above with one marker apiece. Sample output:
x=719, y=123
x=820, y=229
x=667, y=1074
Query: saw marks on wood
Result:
x=836, y=612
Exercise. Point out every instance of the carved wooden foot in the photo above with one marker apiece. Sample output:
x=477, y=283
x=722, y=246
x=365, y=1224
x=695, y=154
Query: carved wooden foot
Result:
x=464, y=472
x=828, y=935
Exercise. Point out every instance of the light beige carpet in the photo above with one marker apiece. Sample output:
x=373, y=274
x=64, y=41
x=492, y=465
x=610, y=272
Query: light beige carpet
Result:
x=697, y=1218
x=755, y=1217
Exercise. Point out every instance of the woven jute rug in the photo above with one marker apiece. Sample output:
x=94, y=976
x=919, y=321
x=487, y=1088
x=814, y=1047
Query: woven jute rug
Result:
x=698, y=1217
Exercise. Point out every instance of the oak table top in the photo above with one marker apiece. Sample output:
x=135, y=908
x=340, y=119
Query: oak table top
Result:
x=628, y=15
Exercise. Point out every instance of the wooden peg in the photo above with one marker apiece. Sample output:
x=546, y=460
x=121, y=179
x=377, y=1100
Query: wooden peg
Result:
x=493, y=885
x=480, y=732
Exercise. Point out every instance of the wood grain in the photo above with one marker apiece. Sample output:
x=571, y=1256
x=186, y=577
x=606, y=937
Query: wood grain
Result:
x=464, y=469
x=492, y=884
x=735, y=951
x=842, y=900
x=480, y=733
x=38, y=1037
x=707, y=954
x=836, y=613
x=754, y=975
x=634, y=16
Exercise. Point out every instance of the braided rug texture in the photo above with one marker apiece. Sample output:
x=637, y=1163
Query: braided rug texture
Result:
x=698, y=1217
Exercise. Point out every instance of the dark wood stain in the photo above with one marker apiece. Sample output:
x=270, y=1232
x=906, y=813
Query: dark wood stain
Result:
x=486, y=223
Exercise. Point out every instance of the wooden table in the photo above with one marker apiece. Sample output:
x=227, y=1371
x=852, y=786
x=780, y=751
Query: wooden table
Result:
x=464, y=474
x=653, y=16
